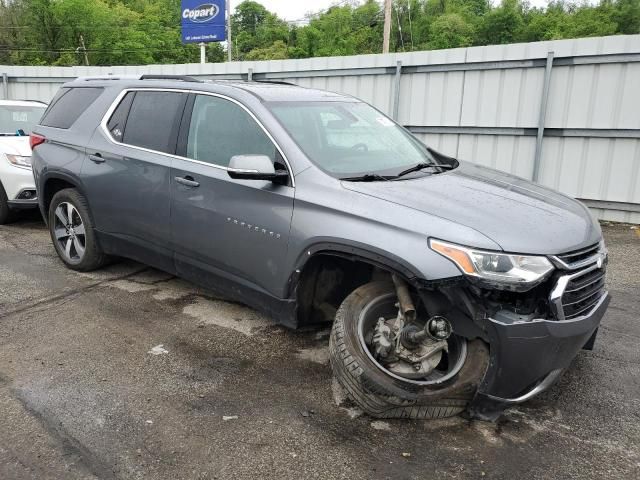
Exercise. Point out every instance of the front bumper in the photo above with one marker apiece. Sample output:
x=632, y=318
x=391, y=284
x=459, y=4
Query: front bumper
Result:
x=23, y=204
x=527, y=358
x=15, y=179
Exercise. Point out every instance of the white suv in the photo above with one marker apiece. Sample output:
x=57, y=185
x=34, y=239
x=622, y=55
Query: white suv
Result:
x=17, y=189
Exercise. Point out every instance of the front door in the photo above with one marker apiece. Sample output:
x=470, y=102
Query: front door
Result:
x=235, y=229
x=128, y=171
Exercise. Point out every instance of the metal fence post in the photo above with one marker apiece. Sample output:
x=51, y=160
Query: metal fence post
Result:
x=250, y=75
x=543, y=115
x=396, y=90
x=5, y=86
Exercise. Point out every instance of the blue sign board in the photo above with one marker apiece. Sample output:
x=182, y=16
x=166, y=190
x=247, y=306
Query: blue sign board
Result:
x=203, y=21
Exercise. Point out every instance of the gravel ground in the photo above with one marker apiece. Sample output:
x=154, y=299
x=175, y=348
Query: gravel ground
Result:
x=130, y=373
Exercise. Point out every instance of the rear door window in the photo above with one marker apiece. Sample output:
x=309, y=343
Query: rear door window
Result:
x=68, y=105
x=153, y=120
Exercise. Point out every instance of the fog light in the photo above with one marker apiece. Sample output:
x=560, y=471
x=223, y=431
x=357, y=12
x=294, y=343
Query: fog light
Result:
x=27, y=195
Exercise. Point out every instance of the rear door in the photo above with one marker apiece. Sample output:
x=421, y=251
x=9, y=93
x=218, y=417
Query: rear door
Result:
x=237, y=229
x=128, y=173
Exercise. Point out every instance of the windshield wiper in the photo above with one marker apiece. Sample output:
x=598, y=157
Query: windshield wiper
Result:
x=420, y=166
x=367, y=177
x=374, y=177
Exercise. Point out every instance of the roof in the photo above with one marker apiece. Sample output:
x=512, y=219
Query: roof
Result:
x=265, y=90
x=283, y=92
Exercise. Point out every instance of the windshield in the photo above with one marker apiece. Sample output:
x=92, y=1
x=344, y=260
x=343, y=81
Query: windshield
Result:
x=18, y=117
x=347, y=139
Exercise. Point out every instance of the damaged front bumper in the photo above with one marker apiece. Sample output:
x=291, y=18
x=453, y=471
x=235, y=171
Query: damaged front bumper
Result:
x=528, y=357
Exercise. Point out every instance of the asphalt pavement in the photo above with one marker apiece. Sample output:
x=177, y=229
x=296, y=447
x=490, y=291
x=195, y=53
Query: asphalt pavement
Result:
x=130, y=373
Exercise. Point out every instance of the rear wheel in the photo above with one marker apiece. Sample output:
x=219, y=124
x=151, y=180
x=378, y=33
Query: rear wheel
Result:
x=431, y=379
x=72, y=231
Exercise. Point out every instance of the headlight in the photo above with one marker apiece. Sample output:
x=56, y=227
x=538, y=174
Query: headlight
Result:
x=19, y=161
x=500, y=268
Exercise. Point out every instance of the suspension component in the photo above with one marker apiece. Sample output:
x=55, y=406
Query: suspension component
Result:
x=437, y=328
x=405, y=303
x=382, y=345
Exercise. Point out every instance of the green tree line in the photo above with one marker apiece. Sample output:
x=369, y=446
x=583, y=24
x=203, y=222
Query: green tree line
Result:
x=135, y=32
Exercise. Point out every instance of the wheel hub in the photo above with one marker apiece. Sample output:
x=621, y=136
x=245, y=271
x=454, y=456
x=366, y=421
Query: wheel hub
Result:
x=409, y=360
x=413, y=351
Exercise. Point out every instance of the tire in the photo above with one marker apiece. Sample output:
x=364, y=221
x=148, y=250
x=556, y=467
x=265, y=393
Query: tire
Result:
x=6, y=215
x=92, y=257
x=381, y=395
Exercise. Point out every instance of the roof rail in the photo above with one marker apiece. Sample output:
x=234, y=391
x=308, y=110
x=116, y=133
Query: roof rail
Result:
x=182, y=78
x=28, y=100
x=276, y=82
x=107, y=77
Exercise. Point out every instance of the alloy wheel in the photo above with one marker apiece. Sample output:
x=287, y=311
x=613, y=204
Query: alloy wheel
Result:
x=69, y=231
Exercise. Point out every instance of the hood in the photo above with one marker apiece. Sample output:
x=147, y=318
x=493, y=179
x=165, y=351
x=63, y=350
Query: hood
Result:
x=15, y=146
x=518, y=215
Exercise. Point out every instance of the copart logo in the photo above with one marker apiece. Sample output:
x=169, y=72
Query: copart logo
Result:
x=202, y=13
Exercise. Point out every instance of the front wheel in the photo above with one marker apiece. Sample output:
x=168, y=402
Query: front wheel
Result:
x=5, y=212
x=72, y=231
x=434, y=379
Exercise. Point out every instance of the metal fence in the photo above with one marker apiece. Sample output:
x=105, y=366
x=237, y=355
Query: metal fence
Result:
x=564, y=113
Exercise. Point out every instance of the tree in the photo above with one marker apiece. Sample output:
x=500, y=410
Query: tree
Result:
x=254, y=27
x=450, y=30
x=627, y=16
x=125, y=32
x=501, y=25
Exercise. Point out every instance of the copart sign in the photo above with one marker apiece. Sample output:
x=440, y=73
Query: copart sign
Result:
x=203, y=21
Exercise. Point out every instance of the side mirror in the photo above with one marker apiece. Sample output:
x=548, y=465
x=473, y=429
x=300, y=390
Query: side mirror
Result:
x=254, y=167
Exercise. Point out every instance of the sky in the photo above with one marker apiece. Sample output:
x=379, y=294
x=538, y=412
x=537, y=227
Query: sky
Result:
x=297, y=9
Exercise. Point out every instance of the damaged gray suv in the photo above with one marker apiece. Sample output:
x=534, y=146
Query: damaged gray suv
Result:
x=451, y=287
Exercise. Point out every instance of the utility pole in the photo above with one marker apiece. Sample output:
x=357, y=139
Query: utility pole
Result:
x=84, y=49
x=229, y=42
x=387, y=26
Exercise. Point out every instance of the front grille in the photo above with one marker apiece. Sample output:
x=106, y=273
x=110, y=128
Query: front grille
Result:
x=582, y=292
x=572, y=258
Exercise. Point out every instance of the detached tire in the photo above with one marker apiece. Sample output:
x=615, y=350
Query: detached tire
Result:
x=72, y=232
x=378, y=393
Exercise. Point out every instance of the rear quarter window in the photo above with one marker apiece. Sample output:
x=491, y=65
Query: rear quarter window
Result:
x=68, y=105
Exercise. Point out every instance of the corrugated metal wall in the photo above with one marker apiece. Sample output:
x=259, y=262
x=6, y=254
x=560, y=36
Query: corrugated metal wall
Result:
x=481, y=104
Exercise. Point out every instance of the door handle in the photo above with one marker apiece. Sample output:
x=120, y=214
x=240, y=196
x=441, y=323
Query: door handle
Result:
x=188, y=181
x=96, y=158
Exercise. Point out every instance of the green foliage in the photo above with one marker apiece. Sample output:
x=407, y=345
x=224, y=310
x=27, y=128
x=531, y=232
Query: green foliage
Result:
x=128, y=32
x=503, y=24
x=253, y=27
x=450, y=30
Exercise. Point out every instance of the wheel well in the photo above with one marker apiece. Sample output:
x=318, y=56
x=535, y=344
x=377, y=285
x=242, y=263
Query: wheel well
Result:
x=326, y=280
x=51, y=187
